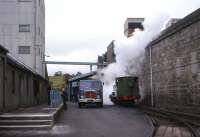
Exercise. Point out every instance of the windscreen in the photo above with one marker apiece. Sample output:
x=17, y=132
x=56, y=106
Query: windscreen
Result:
x=90, y=85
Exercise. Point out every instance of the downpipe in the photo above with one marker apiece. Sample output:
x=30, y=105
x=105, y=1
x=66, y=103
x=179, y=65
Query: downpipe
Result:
x=151, y=77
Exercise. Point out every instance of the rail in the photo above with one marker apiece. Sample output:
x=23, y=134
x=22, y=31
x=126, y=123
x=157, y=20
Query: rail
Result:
x=184, y=119
x=154, y=125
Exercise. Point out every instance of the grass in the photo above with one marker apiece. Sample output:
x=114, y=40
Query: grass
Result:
x=57, y=81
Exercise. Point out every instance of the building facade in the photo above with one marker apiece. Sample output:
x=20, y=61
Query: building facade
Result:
x=22, y=31
x=109, y=56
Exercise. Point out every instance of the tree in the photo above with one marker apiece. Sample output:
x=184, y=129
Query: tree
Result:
x=78, y=73
x=67, y=77
x=58, y=73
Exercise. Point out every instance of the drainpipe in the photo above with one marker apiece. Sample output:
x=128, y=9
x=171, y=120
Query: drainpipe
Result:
x=35, y=29
x=151, y=77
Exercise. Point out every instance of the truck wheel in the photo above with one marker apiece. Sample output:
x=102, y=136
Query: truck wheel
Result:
x=97, y=104
x=80, y=105
x=83, y=104
x=101, y=104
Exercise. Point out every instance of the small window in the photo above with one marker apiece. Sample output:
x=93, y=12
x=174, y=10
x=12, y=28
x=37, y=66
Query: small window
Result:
x=39, y=31
x=39, y=51
x=24, y=28
x=24, y=50
x=24, y=0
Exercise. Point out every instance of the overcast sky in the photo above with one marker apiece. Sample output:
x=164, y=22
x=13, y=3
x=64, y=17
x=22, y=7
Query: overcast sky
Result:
x=80, y=30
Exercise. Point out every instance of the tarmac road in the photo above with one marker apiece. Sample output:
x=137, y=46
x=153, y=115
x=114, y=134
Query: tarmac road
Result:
x=109, y=121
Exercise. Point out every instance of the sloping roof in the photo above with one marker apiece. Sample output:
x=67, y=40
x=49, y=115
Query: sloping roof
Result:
x=13, y=61
x=3, y=49
x=20, y=65
x=83, y=76
x=181, y=24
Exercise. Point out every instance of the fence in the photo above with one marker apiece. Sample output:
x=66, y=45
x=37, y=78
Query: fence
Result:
x=55, y=98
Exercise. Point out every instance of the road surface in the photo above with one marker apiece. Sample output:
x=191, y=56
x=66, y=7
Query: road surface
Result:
x=109, y=121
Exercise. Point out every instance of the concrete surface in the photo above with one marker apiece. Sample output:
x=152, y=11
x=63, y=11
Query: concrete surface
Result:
x=37, y=118
x=110, y=121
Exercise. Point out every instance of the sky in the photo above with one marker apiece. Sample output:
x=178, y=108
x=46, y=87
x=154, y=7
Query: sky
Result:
x=80, y=30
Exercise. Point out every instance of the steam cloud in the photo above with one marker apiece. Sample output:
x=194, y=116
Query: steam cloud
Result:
x=130, y=54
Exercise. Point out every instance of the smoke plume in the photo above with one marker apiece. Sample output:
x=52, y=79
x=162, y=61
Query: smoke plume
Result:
x=130, y=53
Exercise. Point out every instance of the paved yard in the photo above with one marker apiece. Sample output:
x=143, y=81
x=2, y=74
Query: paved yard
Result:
x=110, y=121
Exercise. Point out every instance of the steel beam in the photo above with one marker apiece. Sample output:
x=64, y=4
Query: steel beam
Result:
x=75, y=63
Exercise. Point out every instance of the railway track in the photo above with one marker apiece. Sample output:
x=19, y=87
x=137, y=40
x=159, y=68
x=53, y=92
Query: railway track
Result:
x=184, y=121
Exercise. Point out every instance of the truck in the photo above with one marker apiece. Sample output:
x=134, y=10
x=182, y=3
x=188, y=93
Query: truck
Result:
x=90, y=92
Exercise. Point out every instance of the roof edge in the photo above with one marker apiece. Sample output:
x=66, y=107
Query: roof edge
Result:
x=4, y=49
x=180, y=25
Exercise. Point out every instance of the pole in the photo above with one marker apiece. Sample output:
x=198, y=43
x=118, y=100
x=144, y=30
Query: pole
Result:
x=151, y=76
x=90, y=68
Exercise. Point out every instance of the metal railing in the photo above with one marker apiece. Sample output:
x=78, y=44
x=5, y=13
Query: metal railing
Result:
x=55, y=98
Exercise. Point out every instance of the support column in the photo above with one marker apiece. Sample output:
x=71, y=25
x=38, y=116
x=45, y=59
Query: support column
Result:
x=90, y=68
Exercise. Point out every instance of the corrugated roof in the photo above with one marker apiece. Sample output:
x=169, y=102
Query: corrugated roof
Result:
x=4, y=49
x=15, y=62
x=83, y=76
x=20, y=65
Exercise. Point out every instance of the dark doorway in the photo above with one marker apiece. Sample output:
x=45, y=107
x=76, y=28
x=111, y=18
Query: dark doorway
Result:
x=36, y=89
x=3, y=78
x=20, y=90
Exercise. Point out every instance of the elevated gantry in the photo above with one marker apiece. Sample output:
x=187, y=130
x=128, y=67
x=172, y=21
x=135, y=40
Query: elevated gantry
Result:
x=76, y=63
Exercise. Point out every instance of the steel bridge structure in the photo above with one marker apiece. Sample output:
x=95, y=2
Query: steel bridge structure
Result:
x=76, y=63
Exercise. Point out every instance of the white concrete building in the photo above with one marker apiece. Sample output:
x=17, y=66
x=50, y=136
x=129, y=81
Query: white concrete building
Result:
x=131, y=24
x=22, y=31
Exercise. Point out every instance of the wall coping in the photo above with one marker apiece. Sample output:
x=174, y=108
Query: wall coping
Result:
x=180, y=25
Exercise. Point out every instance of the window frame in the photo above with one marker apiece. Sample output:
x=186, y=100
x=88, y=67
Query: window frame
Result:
x=24, y=51
x=24, y=0
x=21, y=29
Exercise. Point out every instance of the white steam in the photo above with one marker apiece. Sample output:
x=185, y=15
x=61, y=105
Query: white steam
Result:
x=130, y=53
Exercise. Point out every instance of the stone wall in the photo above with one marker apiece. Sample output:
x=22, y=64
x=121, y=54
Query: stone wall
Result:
x=175, y=63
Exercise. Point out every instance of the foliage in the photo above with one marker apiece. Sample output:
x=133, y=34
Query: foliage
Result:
x=57, y=82
x=58, y=73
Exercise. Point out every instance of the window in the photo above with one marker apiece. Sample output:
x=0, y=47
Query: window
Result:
x=39, y=31
x=24, y=50
x=41, y=54
x=24, y=0
x=24, y=28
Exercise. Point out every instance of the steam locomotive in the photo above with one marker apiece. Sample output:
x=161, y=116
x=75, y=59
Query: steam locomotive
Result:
x=126, y=90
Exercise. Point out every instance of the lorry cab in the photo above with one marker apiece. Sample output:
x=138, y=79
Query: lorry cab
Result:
x=90, y=92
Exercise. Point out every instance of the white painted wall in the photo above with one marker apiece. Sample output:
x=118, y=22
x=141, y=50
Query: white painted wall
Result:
x=13, y=13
